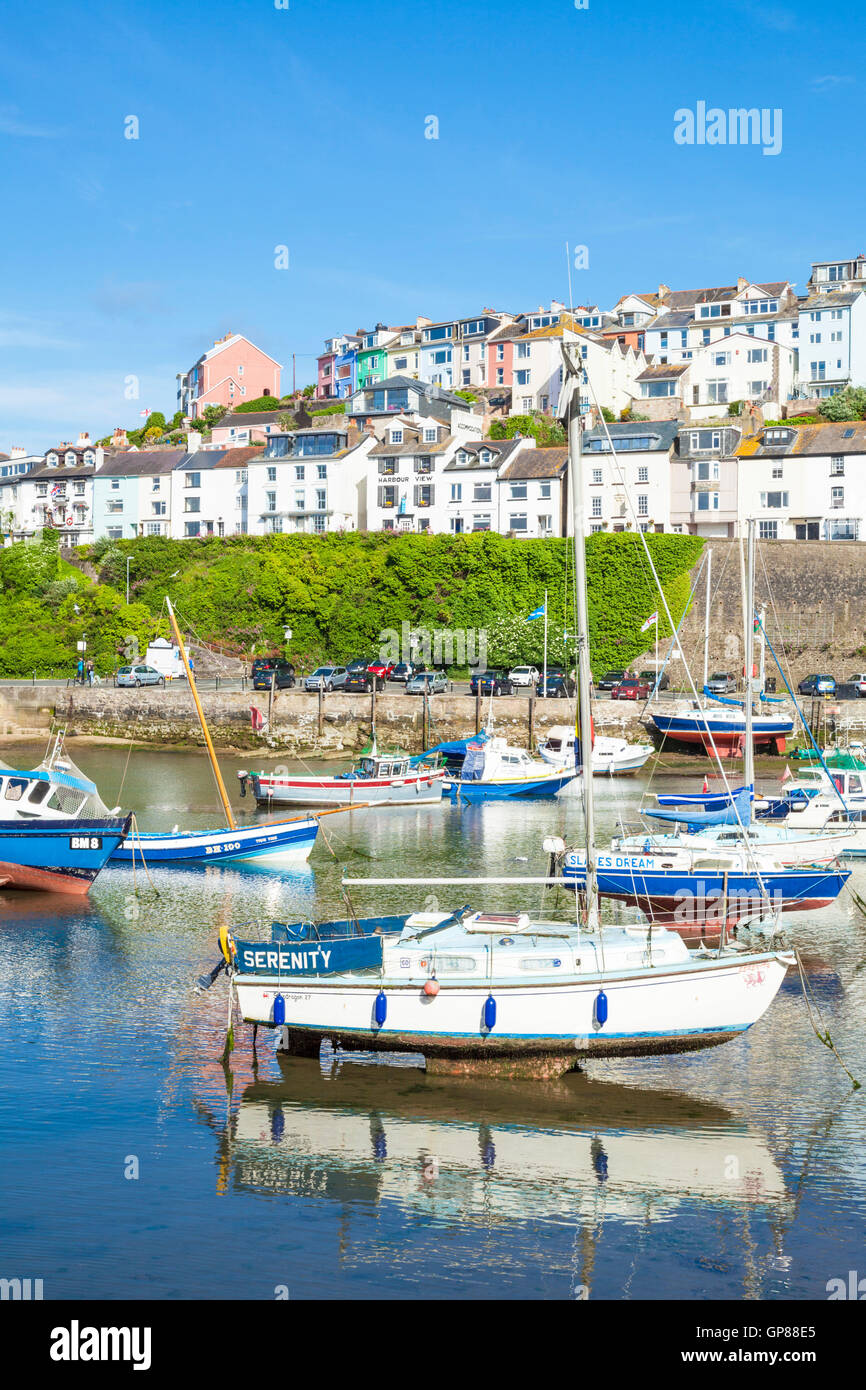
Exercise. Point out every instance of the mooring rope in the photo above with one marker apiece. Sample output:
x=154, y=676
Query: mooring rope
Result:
x=823, y=1037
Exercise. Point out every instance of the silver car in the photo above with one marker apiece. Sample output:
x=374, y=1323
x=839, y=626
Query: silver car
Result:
x=326, y=678
x=427, y=683
x=139, y=675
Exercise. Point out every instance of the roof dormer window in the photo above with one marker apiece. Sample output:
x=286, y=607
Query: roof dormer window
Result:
x=485, y=456
x=396, y=436
x=52, y=460
x=69, y=459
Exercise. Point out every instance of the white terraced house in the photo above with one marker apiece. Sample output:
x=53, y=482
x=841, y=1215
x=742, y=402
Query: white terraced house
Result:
x=309, y=480
x=805, y=482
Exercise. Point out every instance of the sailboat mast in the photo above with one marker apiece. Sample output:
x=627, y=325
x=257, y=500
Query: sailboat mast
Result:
x=201, y=719
x=575, y=461
x=749, y=617
x=706, y=620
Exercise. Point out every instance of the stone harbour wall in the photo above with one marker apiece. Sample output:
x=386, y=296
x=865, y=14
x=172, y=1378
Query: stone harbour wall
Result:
x=300, y=723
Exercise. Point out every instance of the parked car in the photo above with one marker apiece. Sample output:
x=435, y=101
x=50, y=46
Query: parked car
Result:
x=139, y=675
x=490, y=682
x=383, y=669
x=266, y=668
x=524, y=675
x=632, y=689
x=664, y=679
x=817, y=685
x=611, y=679
x=403, y=672
x=560, y=685
x=326, y=678
x=361, y=663
x=359, y=679
x=859, y=682
x=427, y=682
x=721, y=683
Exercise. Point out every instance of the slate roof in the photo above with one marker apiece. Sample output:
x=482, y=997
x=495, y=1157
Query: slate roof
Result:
x=662, y=433
x=536, y=463
x=809, y=440
x=501, y=449
x=666, y=369
x=137, y=463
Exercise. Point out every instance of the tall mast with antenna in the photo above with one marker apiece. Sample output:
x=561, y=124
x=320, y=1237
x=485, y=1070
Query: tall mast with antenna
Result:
x=574, y=374
x=749, y=633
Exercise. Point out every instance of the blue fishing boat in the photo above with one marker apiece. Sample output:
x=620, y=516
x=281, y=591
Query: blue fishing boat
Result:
x=58, y=856
x=278, y=843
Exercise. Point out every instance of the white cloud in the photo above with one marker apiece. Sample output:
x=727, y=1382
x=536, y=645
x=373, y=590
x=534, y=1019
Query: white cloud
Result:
x=19, y=331
x=11, y=123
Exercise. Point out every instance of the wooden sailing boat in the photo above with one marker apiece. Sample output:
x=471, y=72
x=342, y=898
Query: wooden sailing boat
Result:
x=273, y=844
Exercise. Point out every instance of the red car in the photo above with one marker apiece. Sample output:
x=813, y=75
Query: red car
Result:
x=382, y=670
x=631, y=690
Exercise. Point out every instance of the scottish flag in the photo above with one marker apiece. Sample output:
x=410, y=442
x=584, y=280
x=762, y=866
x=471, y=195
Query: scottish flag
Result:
x=536, y=613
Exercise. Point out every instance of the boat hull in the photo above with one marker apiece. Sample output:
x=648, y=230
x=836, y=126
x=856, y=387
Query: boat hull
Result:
x=712, y=1002
x=57, y=857
x=726, y=735
x=414, y=790
x=688, y=901
x=498, y=789
x=272, y=845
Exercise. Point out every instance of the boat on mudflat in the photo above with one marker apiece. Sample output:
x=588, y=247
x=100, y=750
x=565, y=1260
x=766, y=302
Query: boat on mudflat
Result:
x=379, y=779
x=58, y=856
x=722, y=729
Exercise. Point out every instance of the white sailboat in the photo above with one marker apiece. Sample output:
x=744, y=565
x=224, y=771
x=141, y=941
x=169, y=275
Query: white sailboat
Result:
x=483, y=991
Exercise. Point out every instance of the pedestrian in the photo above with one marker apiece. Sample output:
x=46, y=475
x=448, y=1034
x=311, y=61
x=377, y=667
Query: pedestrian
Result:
x=90, y=672
x=80, y=669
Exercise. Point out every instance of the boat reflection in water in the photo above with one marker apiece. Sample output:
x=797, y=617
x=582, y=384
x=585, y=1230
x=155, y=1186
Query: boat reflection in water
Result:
x=451, y=1150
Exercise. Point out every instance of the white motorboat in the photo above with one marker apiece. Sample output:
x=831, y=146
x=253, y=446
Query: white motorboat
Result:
x=611, y=757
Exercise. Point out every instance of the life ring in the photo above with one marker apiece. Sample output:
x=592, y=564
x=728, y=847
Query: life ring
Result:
x=70, y=520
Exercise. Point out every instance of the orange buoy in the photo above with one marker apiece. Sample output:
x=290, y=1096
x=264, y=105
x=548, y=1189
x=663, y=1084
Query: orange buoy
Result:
x=431, y=987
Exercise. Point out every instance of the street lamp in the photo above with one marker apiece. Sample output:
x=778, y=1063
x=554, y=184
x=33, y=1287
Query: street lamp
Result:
x=128, y=558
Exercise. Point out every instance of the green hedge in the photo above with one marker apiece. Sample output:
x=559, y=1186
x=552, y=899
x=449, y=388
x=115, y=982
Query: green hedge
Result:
x=337, y=593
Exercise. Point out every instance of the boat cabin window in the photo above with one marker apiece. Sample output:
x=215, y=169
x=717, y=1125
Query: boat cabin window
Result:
x=39, y=792
x=855, y=783
x=541, y=962
x=15, y=788
x=457, y=965
x=554, y=744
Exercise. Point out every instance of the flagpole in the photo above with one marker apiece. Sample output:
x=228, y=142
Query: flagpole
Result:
x=544, y=678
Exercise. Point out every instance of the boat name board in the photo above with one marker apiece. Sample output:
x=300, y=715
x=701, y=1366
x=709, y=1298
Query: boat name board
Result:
x=85, y=842
x=612, y=861
x=310, y=958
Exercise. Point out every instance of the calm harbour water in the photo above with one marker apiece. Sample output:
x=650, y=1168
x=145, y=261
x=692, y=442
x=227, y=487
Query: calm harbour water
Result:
x=738, y=1172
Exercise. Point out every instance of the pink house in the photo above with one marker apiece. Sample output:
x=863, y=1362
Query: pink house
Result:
x=232, y=371
x=500, y=356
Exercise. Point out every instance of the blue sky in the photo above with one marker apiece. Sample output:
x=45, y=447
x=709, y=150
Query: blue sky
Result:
x=260, y=127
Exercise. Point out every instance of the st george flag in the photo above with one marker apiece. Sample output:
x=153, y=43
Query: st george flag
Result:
x=536, y=613
x=653, y=618
x=144, y=414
